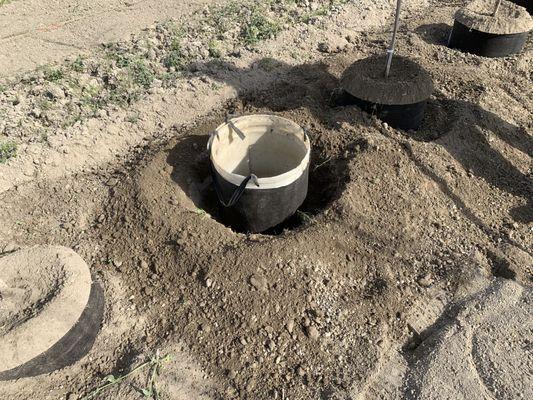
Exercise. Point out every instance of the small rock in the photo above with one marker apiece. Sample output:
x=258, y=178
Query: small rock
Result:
x=251, y=385
x=151, y=54
x=426, y=281
x=333, y=45
x=259, y=282
x=312, y=332
x=208, y=282
x=290, y=326
x=112, y=182
x=323, y=47
x=10, y=247
x=36, y=113
x=270, y=345
x=101, y=113
x=254, y=238
x=300, y=371
x=55, y=92
x=117, y=263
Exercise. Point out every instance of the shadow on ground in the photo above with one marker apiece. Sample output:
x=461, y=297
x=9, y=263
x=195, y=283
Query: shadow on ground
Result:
x=465, y=130
x=435, y=33
x=462, y=128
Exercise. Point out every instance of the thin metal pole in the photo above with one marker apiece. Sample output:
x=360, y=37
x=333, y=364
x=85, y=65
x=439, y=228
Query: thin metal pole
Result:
x=498, y=4
x=390, y=51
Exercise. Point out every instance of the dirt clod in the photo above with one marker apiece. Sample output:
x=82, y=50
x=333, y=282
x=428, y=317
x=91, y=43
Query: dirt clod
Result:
x=312, y=332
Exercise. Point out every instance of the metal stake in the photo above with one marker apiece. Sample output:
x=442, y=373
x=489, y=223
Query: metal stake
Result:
x=390, y=51
x=498, y=4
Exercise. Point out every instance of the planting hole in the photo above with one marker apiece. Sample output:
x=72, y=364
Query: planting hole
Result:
x=191, y=171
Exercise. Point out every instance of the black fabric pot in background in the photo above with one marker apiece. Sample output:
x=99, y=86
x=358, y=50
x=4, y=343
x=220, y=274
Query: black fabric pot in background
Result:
x=402, y=116
x=486, y=44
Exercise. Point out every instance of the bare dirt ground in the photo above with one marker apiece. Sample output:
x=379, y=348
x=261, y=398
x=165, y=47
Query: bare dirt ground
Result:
x=408, y=241
x=36, y=32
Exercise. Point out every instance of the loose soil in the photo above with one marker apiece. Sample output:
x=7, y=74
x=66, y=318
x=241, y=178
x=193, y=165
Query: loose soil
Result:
x=407, y=83
x=509, y=19
x=397, y=228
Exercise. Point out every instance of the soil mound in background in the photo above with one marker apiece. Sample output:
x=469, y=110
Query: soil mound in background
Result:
x=510, y=18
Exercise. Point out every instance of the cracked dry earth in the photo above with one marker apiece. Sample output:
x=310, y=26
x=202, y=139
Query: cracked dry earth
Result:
x=407, y=243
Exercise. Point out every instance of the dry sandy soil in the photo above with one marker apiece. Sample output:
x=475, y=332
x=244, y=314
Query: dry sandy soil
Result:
x=36, y=32
x=407, y=273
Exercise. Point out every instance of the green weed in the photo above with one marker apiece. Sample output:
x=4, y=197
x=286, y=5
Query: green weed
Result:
x=268, y=64
x=43, y=104
x=214, y=49
x=123, y=94
x=177, y=31
x=224, y=18
x=154, y=365
x=133, y=118
x=92, y=98
x=142, y=74
x=201, y=213
x=259, y=28
x=8, y=150
x=77, y=65
x=174, y=58
x=71, y=119
x=53, y=74
x=305, y=217
x=43, y=137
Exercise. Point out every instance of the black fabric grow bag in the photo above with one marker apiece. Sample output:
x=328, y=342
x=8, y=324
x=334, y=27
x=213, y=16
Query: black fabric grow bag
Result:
x=485, y=44
x=398, y=99
x=260, y=209
x=260, y=170
x=402, y=116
